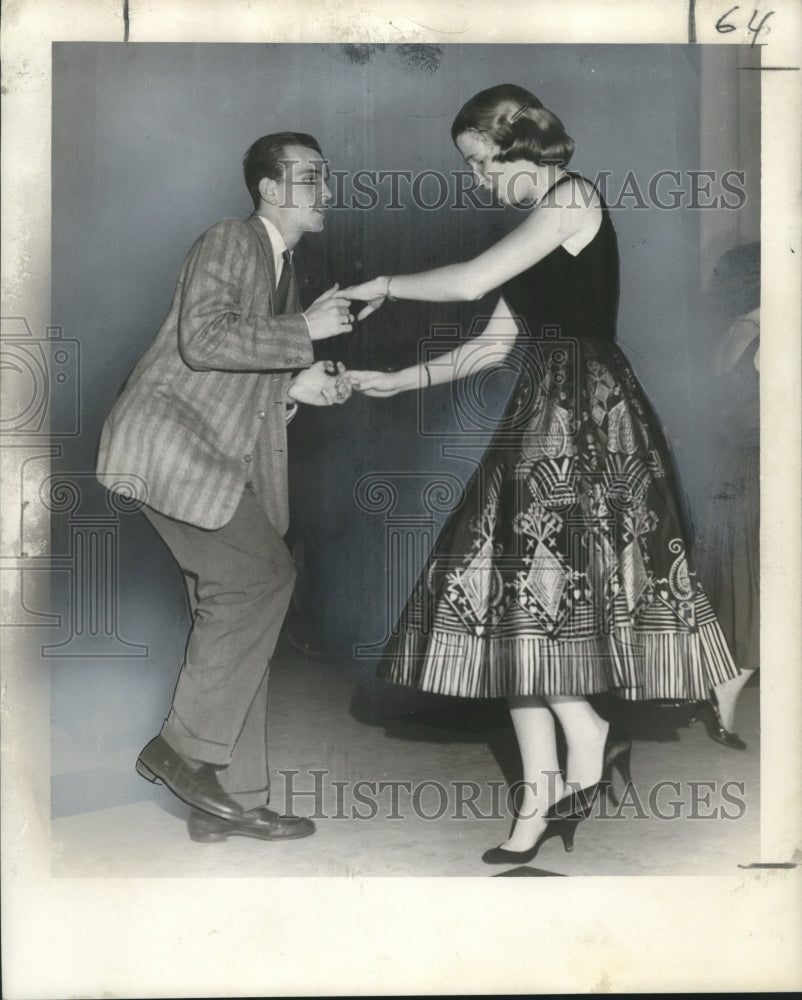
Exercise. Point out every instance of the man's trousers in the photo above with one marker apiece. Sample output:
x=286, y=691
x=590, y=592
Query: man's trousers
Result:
x=239, y=581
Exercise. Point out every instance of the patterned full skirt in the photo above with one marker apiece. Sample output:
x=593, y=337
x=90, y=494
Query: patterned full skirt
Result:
x=564, y=568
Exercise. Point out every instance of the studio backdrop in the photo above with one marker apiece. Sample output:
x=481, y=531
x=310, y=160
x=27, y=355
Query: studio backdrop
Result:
x=148, y=141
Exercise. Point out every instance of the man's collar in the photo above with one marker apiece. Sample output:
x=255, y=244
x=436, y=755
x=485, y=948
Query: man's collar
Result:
x=276, y=239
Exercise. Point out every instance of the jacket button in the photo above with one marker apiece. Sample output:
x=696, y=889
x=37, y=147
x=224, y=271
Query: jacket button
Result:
x=261, y=414
x=246, y=459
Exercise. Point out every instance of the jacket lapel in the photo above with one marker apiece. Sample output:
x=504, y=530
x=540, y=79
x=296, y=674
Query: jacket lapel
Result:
x=293, y=295
x=267, y=248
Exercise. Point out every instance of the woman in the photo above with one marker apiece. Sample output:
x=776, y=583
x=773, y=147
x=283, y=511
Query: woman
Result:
x=562, y=573
x=729, y=537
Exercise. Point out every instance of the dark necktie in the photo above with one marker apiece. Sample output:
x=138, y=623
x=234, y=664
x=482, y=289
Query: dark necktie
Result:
x=283, y=288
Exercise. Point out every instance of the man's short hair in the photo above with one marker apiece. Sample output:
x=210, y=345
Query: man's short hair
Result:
x=264, y=158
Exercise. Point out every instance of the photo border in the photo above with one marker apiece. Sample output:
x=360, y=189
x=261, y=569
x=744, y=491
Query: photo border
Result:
x=226, y=937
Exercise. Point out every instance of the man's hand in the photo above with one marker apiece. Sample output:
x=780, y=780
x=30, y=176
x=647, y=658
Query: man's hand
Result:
x=322, y=384
x=329, y=315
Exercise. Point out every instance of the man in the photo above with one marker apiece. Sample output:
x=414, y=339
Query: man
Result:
x=200, y=430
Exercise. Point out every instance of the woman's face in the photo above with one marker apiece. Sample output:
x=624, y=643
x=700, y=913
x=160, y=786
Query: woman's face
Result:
x=512, y=183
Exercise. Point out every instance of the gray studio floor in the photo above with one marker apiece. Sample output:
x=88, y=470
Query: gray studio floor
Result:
x=332, y=717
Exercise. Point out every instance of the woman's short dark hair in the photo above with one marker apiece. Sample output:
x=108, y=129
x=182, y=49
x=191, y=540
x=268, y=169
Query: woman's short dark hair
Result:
x=517, y=123
x=264, y=158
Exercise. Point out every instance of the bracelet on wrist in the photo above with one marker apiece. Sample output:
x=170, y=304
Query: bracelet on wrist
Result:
x=388, y=294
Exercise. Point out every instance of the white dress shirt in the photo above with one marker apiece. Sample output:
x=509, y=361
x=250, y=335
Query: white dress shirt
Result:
x=279, y=246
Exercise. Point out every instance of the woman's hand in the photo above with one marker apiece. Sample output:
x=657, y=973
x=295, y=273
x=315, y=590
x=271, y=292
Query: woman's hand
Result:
x=322, y=384
x=380, y=383
x=373, y=292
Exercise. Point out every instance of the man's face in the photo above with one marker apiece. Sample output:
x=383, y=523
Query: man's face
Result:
x=303, y=191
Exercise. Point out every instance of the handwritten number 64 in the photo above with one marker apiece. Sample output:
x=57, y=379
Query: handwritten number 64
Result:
x=723, y=26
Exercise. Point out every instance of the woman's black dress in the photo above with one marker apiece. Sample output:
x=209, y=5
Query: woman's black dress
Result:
x=564, y=569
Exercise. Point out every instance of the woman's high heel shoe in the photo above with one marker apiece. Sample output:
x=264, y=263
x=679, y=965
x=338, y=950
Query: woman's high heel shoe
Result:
x=615, y=757
x=565, y=815
x=563, y=827
x=709, y=713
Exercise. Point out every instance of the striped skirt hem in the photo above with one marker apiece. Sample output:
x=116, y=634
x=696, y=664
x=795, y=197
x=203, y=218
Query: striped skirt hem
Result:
x=635, y=665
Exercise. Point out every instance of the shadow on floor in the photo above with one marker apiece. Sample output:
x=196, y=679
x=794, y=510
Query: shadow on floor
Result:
x=408, y=714
x=650, y=721
x=524, y=871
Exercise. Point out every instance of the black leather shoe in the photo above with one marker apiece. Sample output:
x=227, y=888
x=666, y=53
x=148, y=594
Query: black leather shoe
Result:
x=263, y=824
x=196, y=786
x=564, y=828
x=709, y=713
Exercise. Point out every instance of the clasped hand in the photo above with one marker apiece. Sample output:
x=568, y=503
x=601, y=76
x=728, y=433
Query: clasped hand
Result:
x=374, y=292
x=382, y=384
x=322, y=384
x=329, y=315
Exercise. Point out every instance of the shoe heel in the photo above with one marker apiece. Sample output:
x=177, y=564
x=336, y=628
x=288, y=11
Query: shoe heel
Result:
x=567, y=832
x=617, y=761
x=610, y=793
x=146, y=772
x=207, y=838
x=621, y=763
